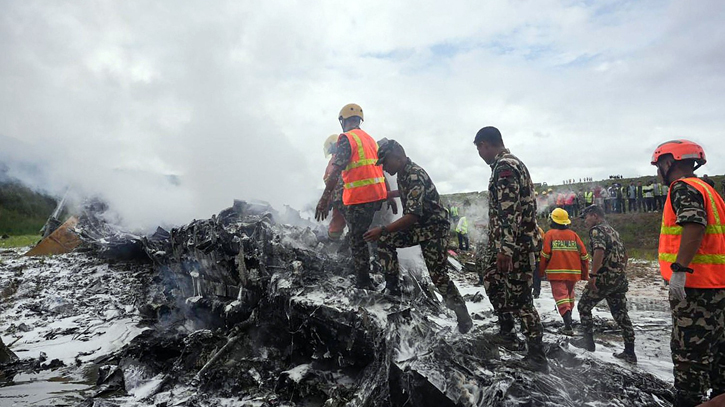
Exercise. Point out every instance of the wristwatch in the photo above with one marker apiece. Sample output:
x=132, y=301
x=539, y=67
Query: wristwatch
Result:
x=383, y=231
x=677, y=267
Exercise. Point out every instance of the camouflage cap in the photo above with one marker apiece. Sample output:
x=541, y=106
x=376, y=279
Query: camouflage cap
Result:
x=385, y=147
x=592, y=209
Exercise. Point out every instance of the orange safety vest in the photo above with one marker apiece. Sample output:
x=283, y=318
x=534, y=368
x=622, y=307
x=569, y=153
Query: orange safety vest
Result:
x=709, y=262
x=564, y=256
x=364, y=181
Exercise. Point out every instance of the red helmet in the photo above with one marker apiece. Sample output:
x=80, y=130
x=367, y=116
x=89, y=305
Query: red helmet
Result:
x=680, y=150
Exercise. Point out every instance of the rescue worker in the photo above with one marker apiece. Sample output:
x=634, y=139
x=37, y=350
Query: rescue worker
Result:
x=337, y=221
x=607, y=281
x=364, y=187
x=564, y=261
x=513, y=238
x=692, y=260
x=454, y=213
x=423, y=223
x=588, y=198
x=462, y=232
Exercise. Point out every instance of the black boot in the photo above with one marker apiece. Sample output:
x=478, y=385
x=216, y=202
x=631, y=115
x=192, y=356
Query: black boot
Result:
x=536, y=357
x=455, y=302
x=567, y=330
x=480, y=279
x=364, y=281
x=585, y=342
x=628, y=354
x=392, y=285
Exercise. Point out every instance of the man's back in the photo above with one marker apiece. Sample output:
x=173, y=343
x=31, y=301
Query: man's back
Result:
x=512, y=207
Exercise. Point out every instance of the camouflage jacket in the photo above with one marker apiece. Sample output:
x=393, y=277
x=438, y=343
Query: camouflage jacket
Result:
x=688, y=204
x=343, y=153
x=420, y=197
x=511, y=208
x=603, y=236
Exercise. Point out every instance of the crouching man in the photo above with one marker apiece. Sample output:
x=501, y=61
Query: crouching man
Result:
x=423, y=223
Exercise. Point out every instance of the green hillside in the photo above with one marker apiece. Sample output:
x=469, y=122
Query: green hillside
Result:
x=22, y=210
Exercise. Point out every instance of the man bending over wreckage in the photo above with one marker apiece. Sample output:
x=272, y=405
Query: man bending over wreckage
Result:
x=424, y=223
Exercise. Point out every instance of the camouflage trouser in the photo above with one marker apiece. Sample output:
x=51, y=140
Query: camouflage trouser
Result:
x=698, y=344
x=510, y=294
x=433, y=241
x=611, y=286
x=358, y=219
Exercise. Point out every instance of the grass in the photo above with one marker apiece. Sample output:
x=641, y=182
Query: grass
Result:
x=19, y=241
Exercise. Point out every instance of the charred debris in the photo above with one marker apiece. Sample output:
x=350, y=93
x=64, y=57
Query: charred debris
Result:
x=243, y=309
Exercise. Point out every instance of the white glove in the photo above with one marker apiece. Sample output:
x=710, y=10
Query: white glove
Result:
x=677, y=285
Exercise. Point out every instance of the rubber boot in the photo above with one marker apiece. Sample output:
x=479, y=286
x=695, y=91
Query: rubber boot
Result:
x=585, y=342
x=567, y=330
x=455, y=302
x=392, y=285
x=628, y=354
x=480, y=280
x=536, y=357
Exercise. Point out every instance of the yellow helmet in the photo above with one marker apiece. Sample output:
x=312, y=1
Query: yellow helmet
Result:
x=351, y=110
x=560, y=216
x=329, y=144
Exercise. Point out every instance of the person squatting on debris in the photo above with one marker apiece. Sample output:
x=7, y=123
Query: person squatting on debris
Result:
x=462, y=232
x=564, y=261
x=510, y=260
x=337, y=221
x=607, y=281
x=423, y=223
x=364, y=187
x=692, y=260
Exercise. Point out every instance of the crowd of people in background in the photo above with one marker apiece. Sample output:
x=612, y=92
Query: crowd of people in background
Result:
x=613, y=197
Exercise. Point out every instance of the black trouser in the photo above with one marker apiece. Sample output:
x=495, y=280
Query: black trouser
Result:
x=463, y=241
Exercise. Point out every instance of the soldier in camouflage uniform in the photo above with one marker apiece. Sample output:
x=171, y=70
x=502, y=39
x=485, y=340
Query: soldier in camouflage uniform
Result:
x=695, y=275
x=607, y=281
x=358, y=216
x=510, y=260
x=424, y=223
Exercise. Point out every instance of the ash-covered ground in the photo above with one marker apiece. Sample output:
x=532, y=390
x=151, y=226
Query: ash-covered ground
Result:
x=242, y=310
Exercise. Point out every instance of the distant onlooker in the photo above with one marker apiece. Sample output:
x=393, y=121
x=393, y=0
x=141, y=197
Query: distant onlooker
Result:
x=708, y=180
x=648, y=191
x=640, y=197
x=632, y=196
x=659, y=203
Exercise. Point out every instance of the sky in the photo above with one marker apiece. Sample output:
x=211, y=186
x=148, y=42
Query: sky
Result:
x=235, y=99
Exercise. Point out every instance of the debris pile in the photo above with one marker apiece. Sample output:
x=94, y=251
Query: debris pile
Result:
x=242, y=309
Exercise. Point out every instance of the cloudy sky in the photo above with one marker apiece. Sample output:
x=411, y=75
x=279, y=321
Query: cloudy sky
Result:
x=236, y=98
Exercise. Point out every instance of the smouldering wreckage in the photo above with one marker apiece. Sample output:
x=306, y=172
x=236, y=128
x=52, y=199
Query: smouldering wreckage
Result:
x=240, y=309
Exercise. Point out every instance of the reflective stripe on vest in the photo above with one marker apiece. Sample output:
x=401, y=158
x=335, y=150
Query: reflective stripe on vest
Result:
x=363, y=180
x=709, y=261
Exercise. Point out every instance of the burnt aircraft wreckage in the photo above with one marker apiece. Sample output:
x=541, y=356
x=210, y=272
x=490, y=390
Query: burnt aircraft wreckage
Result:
x=242, y=309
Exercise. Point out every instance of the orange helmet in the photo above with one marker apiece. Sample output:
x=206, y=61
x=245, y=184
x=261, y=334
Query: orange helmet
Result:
x=680, y=150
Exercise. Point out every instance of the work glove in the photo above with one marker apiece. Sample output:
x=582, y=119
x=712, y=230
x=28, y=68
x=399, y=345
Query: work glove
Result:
x=677, y=285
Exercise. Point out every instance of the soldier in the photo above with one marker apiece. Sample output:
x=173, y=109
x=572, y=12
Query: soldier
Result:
x=692, y=259
x=423, y=223
x=510, y=260
x=607, y=281
x=364, y=187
